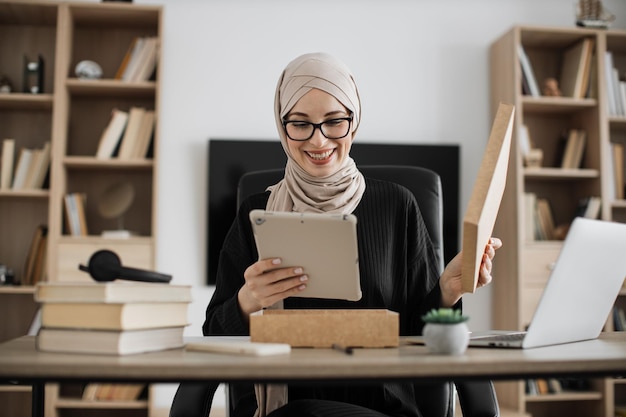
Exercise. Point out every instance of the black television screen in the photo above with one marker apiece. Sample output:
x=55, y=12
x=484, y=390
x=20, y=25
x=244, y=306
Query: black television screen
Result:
x=230, y=159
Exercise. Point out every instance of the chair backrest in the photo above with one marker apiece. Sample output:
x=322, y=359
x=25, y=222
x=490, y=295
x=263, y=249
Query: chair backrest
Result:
x=422, y=182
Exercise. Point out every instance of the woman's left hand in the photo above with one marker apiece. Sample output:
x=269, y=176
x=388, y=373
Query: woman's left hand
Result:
x=450, y=281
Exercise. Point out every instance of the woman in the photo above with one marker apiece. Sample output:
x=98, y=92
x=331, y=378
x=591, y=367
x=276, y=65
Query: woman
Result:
x=318, y=111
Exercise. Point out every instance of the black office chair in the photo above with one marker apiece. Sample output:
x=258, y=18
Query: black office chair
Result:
x=477, y=398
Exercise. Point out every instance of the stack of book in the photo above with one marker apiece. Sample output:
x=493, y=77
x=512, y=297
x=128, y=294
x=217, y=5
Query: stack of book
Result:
x=115, y=318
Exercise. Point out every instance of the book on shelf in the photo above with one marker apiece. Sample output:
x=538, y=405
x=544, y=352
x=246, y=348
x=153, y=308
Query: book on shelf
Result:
x=542, y=386
x=621, y=97
x=589, y=207
x=96, y=391
x=545, y=219
x=527, y=72
x=34, y=266
x=109, y=342
x=74, y=205
x=575, y=69
x=620, y=108
x=609, y=81
x=140, y=60
x=130, y=137
x=38, y=168
x=147, y=60
x=112, y=134
x=126, y=59
x=21, y=168
x=574, y=149
x=619, y=319
x=144, y=135
x=617, y=166
x=114, y=316
x=6, y=169
x=530, y=209
x=111, y=292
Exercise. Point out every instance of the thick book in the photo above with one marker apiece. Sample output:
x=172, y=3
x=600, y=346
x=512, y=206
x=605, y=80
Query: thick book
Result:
x=8, y=155
x=114, y=316
x=111, y=292
x=109, y=342
x=112, y=134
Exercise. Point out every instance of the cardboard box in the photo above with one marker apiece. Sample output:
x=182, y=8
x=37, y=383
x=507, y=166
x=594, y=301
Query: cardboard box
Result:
x=323, y=328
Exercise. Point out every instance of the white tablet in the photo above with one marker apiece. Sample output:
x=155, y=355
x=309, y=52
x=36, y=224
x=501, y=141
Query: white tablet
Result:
x=324, y=245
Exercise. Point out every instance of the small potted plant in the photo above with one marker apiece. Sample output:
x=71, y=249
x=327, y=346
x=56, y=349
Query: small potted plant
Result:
x=445, y=331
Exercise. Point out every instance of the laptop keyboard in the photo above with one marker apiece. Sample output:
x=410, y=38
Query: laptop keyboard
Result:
x=510, y=337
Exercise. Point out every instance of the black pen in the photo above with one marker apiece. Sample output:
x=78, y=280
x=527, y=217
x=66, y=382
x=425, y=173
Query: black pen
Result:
x=345, y=349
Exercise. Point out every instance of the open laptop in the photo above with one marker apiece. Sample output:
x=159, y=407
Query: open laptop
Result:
x=580, y=292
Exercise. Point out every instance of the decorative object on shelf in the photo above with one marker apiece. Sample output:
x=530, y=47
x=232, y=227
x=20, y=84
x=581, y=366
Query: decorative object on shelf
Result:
x=88, y=70
x=33, y=75
x=591, y=13
x=113, y=203
x=7, y=277
x=5, y=85
x=551, y=88
x=445, y=331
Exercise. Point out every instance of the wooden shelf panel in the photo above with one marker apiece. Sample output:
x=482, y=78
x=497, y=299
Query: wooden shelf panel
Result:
x=77, y=403
x=25, y=101
x=38, y=193
x=547, y=105
x=88, y=162
x=560, y=174
x=17, y=289
x=565, y=396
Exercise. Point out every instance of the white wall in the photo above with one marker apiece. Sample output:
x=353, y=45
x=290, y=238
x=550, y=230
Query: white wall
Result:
x=421, y=66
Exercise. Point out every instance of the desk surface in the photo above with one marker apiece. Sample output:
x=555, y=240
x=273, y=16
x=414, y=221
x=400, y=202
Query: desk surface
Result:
x=19, y=360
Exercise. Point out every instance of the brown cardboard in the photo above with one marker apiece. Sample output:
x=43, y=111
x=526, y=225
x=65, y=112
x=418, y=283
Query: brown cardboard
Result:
x=324, y=328
x=484, y=202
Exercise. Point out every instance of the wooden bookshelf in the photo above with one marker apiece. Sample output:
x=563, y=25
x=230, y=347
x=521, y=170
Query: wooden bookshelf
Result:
x=71, y=114
x=524, y=260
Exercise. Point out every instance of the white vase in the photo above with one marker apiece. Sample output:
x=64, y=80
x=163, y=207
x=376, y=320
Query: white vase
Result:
x=448, y=339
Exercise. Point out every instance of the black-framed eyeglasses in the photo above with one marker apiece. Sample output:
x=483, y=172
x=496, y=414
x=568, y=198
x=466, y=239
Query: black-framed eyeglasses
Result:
x=300, y=130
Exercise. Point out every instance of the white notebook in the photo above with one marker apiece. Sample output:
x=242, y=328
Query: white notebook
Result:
x=236, y=345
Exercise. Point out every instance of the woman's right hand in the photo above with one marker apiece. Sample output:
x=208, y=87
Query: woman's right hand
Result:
x=267, y=283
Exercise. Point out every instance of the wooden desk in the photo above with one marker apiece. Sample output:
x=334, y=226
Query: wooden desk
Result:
x=19, y=360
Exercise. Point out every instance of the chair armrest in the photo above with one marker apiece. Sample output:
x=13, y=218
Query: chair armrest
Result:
x=193, y=399
x=478, y=398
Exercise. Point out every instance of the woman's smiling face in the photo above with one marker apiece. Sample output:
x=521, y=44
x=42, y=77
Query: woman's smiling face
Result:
x=319, y=156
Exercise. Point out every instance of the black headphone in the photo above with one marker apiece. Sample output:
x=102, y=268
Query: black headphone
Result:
x=105, y=265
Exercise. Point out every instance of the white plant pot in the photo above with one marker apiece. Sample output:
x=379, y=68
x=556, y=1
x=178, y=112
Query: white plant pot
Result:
x=448, y=339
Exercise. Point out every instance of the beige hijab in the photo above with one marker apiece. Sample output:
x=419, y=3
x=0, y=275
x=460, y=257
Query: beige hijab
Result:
x=298, y=191
x=341, y=191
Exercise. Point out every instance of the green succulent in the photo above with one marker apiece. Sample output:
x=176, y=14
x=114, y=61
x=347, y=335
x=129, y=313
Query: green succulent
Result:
x=444, y=316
